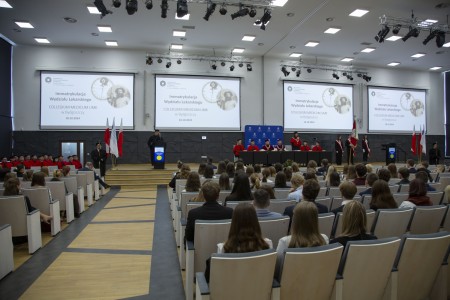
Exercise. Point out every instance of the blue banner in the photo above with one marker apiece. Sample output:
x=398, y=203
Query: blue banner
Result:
x=260, y=133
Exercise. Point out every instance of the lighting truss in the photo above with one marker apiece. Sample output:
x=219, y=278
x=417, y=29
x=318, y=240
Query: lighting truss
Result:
x=216, y=60
x=299, y=65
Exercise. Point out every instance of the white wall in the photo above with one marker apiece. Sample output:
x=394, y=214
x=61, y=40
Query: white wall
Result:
x=431, y=81
x=261, y=89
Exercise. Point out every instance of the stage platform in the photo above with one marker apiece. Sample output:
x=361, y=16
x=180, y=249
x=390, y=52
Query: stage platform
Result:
x=138, y=176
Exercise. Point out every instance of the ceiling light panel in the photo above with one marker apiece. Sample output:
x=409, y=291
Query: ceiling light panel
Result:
x=238, y=50
x=185, y=17
x=249, y=38
x=23, y=24
x=42, y=40
x=279, y=2
x=347, y=59
x=393, y=38
x=358, y=13
x=418, y=55
x=368, y=50
x=5, y=4
x=179, y=33
x=311, y=44
x=435, y=68
x=393, y=64
x=93, y=10
x=295, y=54
x=332, y=30
x=176, y=47
x=104, y=28
x=111, y=43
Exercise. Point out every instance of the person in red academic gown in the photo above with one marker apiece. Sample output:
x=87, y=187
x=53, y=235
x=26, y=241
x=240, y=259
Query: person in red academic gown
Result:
x=76, y=162
x=305, y=146
x=279, y=146
x=238, y=148
x=296, y=142
x=6, y=164
x=41, y=161
x=267, y=146
x=317, y=147
x=14, y=160
x=35, y=162
x=61, y=163
x=27, y=162
x=252, y=146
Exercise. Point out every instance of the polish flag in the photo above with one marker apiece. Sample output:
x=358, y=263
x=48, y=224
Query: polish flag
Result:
x=354, y=137
x=423, y=141
x=120, y=139
x=113, y=141
x=107, y=136
x=414, y=141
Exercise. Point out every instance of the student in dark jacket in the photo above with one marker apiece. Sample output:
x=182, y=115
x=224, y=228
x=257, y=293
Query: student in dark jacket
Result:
x=310, y=191
x=370, y=179
x=403, y=174
x=424, y=177
x=348, y=191
x=211, y=210
x=361, y=172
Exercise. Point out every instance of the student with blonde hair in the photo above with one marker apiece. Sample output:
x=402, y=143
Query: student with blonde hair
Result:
x=297, y=181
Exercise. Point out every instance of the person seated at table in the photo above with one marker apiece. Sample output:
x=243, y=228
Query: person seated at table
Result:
x=279, y=146
x=252, y=146
x=267, y=146
x=296, y=142
x=237, y=149
x=305, y=146
x=317, y=147
x=35, y=161
x=361, y=172
x=27, y=161
x=261, y=204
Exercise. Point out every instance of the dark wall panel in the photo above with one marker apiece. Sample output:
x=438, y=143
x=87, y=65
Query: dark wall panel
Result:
x=447, y=114
x=5, y=98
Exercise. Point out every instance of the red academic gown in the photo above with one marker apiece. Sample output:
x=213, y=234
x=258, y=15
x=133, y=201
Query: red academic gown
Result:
x=237, y=149
x=28, y=164
x=6, y=165
x=270, y=148
x=252, y=148
x=317, y=149
x=296, y=144
x=77, y=164
x=305, y=148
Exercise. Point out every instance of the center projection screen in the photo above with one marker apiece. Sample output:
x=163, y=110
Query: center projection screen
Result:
x=85, y=100
x=197, y=103
x=395, y=110
x=317, y=107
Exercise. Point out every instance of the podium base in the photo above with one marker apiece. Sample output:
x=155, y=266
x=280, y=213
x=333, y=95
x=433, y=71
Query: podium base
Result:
x=158, y=166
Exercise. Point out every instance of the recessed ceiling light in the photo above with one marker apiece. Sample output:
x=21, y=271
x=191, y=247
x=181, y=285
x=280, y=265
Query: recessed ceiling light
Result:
x=393, y=38
x=446, y=45
x=431, y=21
x=435, y=68
x=248, y=38
x=104, y=28
x=279, y=2
x=23, y=24
x=418, y=55
x=358, y=13
x=5, y=4
x=290, y=15
x=254, y=24
x=111, y=43
x=93, y=10
x=347, y=59
x=393, y=64
x=70, y=20
x=311, y=44
x=185, y=17
x=368, y=50
x=238, y=50
x=176, y=46
x=42, y=40
x=332, y=30
x=428, y=22
x=295, y=54
x=179, y=33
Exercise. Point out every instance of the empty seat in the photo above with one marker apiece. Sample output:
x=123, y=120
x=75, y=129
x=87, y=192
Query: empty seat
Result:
x=72, y=187
x=399, y=198
x=274, y=228
x=323, y=191
x=418, y=263
x=446, y=221
x=230, y=274
x=222, y=196
x=334, y=192
x=366, y=199
x=436, y=197
x=394, y=187
x=404, y=188
x=6, y=250
x=89, y=188
x=326, y=223
x=13, y=211
x=365, y=269
x=324, y=201
x=427, y=219
x=391, y=222
x=336, y=202
x=437, y=185
x=360, y=189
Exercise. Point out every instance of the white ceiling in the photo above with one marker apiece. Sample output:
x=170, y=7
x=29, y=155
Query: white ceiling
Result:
x=146, y=30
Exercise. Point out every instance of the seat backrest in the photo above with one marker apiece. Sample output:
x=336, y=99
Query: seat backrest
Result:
x=391, y=222
x=374, y=259
x=39, y=198
x=280, y=205
x=58, y=190
x=322, y=183
x=446, y=221
x=192, y=205
x=437, y=185
x=427, y=219
x=321, y=262
x=360, y=188
x=326, y=223
x=233, y=204
x=399, y=198
x=51, y=169
x=418, y=262
x=393, y=181
x=323, y=191
x=13, y=210
x=72, y=168
x=35, y=168
x=179, y=186
x=71, y=184
x=436, y=197
x=274, y=228
x=336, y=202
x=370, y=216
x=281, y=193
x=394, y=187
x=337, y=225
x=223, y=195
x=90, y=177
x=404, y=188
x=366, y=201
x=206, y=237
x=334, y=192
x=324, y=201
x=185, y=198
x=230, y=273
x=82, y=181
x=25, y=184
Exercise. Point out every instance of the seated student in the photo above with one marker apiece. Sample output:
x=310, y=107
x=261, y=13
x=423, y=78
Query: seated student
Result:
x=424, y=167
x=61, y=163
x=305, y=147
x=230, y=170
x=7, y=176
x=361, y=172
x=45, y=170
x=48, y=160
x=210, y=210
x=274, y=171
x=252, y=146
x=183, y=174
x=384, y=174
x=304, y=233
x=221, y=168
x=424, y=177
x=417, y=195
x=354, y=224
x=279, y=146
x=35, y=161
x=381, y=196
x=255, y=183
x=41, y=161
x=369, y=168
x=295, y=168
x=261, y=203
x=209, y=172
x=14, y=160
x=296, y=187
x=28, y=175
x=244, y=236
x=310, y=175
x=20, y=170
x=310, y=191
x=278, y=167
x=265, y=175
x=239, y=167
x=210, y=163
x=317, y=147
x=351, y=173
x=280, y=180
x=269, y=190
x=27, y=162
x=348, y=191
x=241, y=189
x=12, y=188
x=5, y=164
x=333, y=179
x=393, y=170
x=267, y=146
x=201, y=169
x=288, y=172
x=370, y=179
x=249, y=171
x=90, y=167
x=76, y=162
x=192, y=183
x=410, y=166
x=224, y=182
x=257, y=171
x=324, y=166
x=403, y=174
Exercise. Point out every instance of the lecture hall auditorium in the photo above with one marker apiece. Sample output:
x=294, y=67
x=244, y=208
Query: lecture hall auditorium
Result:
x=365, y=214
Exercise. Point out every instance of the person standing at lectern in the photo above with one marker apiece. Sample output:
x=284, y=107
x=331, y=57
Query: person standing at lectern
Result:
x=339, y=149
x=365, y=149
x=156, y=137
x=296, y=142
x=435, y=154
x=350, y=150
x=99, y=157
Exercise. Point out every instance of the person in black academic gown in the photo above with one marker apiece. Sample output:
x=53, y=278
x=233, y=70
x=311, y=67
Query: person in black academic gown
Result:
x=156, y=137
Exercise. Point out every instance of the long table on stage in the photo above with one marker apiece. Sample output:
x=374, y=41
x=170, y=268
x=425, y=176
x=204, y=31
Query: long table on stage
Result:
x=272, y=157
